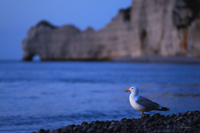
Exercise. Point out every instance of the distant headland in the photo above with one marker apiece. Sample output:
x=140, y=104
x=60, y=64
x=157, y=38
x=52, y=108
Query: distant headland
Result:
x=163, y=28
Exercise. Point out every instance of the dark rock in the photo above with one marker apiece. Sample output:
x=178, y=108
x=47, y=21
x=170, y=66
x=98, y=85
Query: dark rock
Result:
x=124, y=131
x=59, y=129
x=41, y=131
x=91, y=130
x=107, y=124
x=111, y=127
x=167, y=131
x=180, y=118
x=85, y=128
x=77, y=128
x=123, y=120
x=146, y=116
x=83, y=123
x=117, y=128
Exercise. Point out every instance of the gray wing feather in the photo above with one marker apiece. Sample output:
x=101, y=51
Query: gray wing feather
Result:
x=148, y=104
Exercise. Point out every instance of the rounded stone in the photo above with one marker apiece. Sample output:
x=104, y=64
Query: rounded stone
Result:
x=117, y=128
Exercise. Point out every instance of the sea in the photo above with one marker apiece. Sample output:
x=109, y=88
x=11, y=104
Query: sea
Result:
x=51, y=95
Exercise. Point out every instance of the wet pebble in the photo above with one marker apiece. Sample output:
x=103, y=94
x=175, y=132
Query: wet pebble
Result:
x=91, y=130
x=117, y=128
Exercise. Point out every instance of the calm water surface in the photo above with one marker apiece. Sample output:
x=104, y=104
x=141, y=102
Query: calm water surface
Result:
x=51, y=95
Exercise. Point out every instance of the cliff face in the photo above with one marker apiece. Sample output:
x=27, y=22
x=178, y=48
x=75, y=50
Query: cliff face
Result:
x=147, y=28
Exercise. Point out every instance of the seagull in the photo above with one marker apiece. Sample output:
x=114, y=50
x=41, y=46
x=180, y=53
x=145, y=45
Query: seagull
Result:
x=143, y=104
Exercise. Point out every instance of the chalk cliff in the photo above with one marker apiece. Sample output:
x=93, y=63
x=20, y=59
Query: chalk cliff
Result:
x=147, y=28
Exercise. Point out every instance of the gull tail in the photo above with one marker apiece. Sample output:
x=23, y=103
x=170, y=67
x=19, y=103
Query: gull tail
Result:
x=164, y=109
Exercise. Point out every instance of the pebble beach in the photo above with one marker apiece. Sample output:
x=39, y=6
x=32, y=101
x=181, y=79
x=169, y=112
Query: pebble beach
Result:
x=177, y=123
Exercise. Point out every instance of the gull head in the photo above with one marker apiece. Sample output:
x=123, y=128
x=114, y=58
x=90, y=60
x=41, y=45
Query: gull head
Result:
x=133, y=89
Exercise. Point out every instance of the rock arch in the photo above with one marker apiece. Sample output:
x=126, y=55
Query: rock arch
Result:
x=36, y=57
x=31, y=57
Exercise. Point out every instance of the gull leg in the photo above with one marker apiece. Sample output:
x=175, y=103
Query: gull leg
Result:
x=142, y=114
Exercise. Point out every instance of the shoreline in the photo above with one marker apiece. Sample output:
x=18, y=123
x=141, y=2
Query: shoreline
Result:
x=141, y=59
x=159, y=59
x=180, y=122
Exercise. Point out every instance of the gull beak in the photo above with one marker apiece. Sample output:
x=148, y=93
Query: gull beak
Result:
x=127, y=90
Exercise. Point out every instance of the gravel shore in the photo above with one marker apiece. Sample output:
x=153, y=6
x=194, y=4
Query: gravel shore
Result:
x=181, y=122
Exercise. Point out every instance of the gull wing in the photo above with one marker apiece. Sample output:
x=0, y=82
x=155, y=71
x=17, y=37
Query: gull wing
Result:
x=148, y=104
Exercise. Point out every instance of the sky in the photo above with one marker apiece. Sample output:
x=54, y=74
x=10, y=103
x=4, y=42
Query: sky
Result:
x=17, y=16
